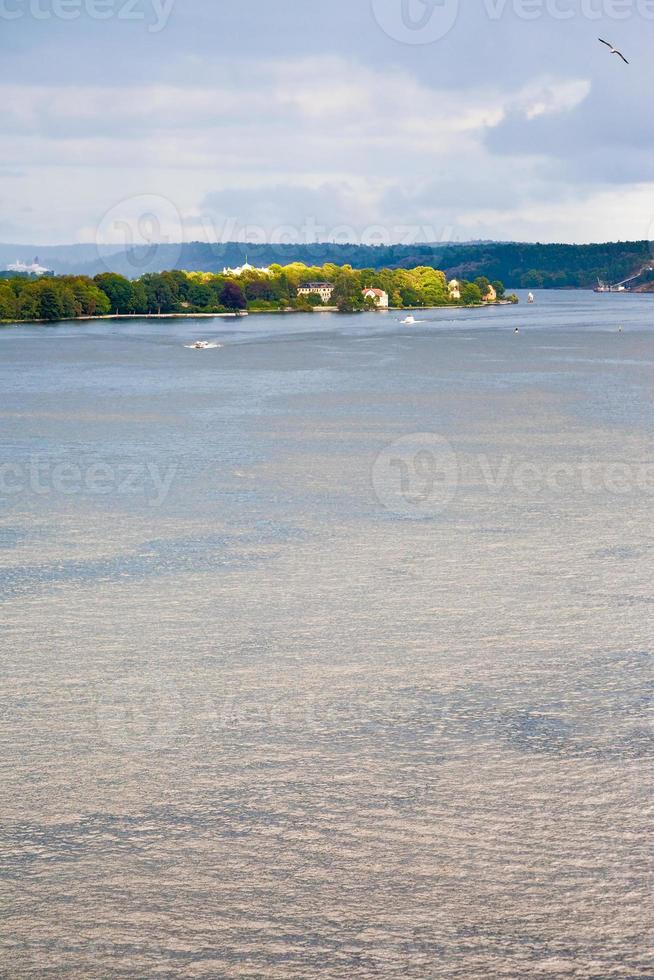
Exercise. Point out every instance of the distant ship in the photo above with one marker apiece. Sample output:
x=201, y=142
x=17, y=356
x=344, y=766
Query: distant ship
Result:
x=30, y=270
x=531, y=298
x=603, y=287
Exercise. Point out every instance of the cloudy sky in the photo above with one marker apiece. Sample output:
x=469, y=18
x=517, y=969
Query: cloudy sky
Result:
x=376, y=120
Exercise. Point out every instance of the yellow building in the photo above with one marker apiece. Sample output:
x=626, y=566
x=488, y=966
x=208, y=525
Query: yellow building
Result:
x=323, y=289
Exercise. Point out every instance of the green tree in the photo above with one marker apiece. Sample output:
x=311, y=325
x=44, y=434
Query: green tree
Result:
x=471, y=293
x=70, y=308
x=200, y=295
x=117, y=289
x=50, y=305
x=313, y=299
x=532, y=279
x=347, y=295
x=410, y=296
x=179, y=284
x=8, y=304
x=138, y=301
x=260, y=289
x=28, y=306
x=160, y=297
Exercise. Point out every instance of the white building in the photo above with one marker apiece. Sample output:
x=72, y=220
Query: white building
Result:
x=245, y=268
x=378, y=295
x=454, y=289
x=32, y=270
x=323, y=289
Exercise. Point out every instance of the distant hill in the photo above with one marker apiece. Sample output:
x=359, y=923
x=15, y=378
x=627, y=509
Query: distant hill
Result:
x=200, y=256
x=517, y=264
x=549, y=266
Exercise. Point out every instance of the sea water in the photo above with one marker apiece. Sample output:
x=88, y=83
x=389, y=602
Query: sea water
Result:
x=328, y=652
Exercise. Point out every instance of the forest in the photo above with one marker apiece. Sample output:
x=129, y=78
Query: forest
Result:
x=52, y=298
x=518, y=264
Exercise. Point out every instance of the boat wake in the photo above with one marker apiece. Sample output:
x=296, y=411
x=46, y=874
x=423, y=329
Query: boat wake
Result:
x=202, y=345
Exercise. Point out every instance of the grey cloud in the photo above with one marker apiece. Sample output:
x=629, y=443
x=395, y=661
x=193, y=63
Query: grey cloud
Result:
x=314, y=213
x=390, y=152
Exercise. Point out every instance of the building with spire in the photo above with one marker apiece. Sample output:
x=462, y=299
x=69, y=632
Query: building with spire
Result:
x=265, y=271
x=35, y=269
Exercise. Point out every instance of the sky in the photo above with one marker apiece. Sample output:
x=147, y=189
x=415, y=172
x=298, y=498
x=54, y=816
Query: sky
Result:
x=125, y=121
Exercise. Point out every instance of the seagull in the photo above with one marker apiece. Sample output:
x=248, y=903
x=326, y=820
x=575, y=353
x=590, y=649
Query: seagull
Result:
x=613, y=50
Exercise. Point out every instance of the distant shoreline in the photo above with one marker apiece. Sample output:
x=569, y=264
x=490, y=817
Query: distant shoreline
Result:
x=246, y=313
x=131, y=316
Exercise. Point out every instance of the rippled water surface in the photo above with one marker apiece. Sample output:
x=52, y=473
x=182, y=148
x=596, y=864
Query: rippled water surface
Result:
x=328, y=653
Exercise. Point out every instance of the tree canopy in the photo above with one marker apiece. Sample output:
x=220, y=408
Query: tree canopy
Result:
x=69, y=297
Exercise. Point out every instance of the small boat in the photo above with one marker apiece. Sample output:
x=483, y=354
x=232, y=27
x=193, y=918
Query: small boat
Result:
x=409, y=319
x=531, y=298
x=202, y=345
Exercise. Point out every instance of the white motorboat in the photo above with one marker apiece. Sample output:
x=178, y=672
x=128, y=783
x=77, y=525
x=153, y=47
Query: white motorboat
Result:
x=409, y=320
x=202, y=345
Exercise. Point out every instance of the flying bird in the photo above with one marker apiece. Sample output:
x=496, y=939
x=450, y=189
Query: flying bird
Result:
x=613, y=50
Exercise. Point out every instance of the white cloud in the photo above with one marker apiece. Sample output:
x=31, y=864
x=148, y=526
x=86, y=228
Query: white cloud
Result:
x=266, y=104
x=549, y=97
x=317, y=145
x=597, y=212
